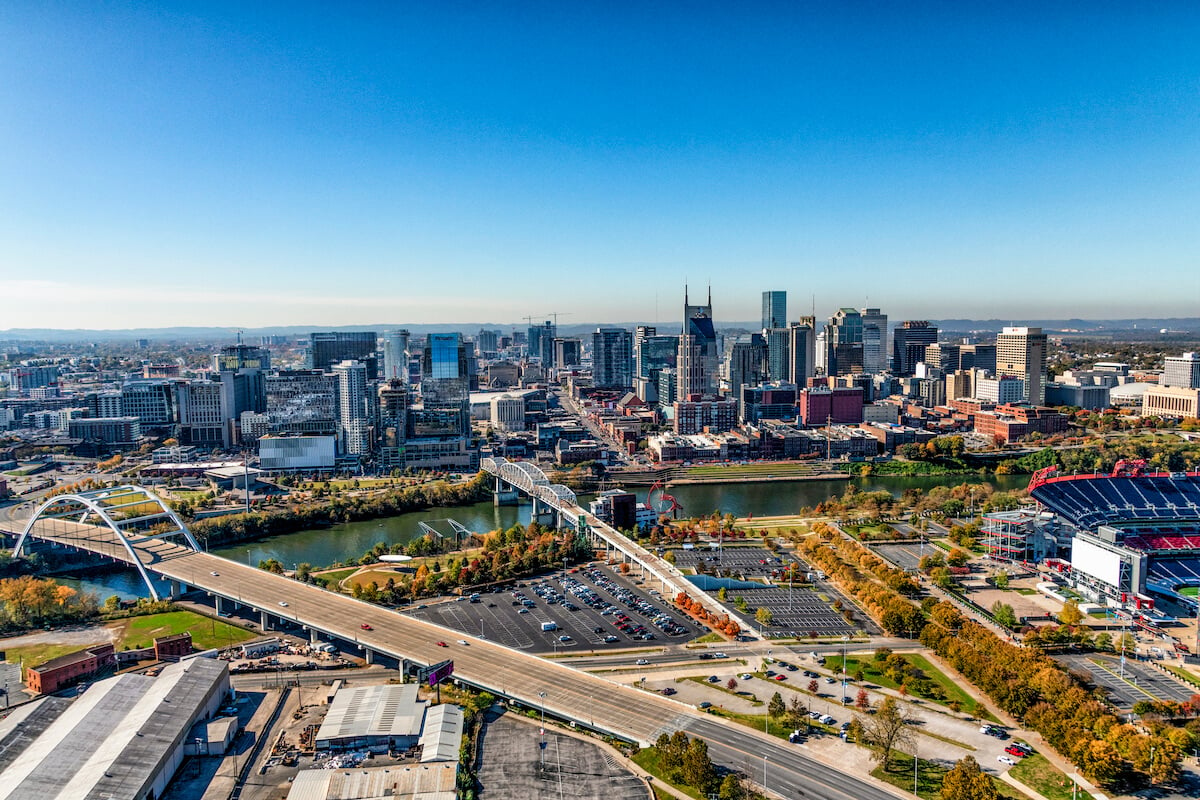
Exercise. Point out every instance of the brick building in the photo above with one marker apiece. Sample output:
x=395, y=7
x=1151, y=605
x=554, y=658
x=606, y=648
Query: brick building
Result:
x=1011, y=422
x=840, y=406
x=172, y=648
x=49, y=677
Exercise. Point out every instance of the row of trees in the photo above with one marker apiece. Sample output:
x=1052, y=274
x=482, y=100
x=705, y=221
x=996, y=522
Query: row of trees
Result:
x=686, y=761
x=1033, y=687
x=27, y=601
x=695, y=609
x=302, y=516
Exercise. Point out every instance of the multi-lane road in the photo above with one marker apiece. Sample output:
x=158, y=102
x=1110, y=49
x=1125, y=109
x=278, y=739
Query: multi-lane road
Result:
x=564, y=692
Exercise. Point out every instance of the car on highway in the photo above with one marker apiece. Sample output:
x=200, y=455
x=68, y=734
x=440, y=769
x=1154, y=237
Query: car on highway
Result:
x=442, y=644
x=1006, y=760
x=283, y=603
x=641, y=662
x=366, y=627
x=215, y=574
x=720, y=655
x=463, y=642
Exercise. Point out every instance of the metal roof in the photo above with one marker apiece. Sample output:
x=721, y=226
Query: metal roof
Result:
x=424, y=782
x=441, y=736
x=366, y=711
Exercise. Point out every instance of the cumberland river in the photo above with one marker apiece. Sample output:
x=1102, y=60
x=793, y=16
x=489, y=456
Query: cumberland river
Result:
x=349, y=541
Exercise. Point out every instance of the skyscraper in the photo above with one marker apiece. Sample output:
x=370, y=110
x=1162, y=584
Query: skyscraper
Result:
x=746, y=363
x=487, y=343
x=395, y=355
x=652, y=354
x=541, y=342
x=909, y=343
x=331, y=347
x=302, y=401
x=354, y=418
x=612, y=358
x=697, y=363
x=1182, y=371
x=779, y=349
x=801, y=351
x=568, y=352
x=1021, y=353
x=445, y=388
x=240, y=371
x=391, y=432
x=774, y=310
x=844, y=343
x=875, y=334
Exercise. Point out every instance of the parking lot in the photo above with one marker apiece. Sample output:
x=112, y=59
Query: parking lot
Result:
x=905, y=556
x=798, y=612
x=755, y=562
x=1141, y=681
x=591, y=608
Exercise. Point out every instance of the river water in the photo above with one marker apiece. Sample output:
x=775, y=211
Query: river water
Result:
x=348, y=541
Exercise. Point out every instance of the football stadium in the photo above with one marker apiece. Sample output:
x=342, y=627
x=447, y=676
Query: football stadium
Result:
x=1129, y=540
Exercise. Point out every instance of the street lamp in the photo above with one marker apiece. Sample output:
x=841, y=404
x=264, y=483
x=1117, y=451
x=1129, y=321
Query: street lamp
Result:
x=542, y=732
x=765, y=773
x=845, y=644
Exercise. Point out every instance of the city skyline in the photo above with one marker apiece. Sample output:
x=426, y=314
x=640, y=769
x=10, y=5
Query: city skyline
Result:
x=222, y=166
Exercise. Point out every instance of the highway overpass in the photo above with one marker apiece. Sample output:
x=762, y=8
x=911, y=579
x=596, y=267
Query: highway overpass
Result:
x=583, y=699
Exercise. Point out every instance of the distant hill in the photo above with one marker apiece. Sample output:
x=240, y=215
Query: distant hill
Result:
x=1143, y=326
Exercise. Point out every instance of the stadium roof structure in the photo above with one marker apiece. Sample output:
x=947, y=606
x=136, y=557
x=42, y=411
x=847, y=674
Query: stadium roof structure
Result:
x=1127, y=497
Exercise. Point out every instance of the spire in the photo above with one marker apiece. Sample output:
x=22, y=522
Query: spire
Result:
x=710, y=295
x=685, y=294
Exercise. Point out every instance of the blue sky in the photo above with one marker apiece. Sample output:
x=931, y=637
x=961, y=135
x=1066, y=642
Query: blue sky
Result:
x=259, y=164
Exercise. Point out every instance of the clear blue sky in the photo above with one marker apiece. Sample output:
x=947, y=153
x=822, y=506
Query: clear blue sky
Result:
x=253, y=163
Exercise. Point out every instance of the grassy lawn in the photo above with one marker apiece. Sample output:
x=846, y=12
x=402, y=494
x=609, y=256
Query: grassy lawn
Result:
x=952, y=691
x=336, y=574
x=870, y=531
x=647, y=759
x=136, y=632
x=1040, y=775
x=709, y=637
x=1026, y=591
x=206, y=632
x=1189, y=591
x=1183, y=675
x=929, y=778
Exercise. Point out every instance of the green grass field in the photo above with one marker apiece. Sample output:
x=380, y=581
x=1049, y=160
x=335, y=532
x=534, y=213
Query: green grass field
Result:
x=136, y=632
x=1190, y=591
x=952, y=691
x=647, y=759
x=928, y=776
x=206, y=632
x=1043, y=777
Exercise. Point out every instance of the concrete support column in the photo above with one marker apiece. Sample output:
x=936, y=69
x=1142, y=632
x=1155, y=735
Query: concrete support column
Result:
x=369, y=656
x=218, y=601
x=176, y=589
x=312, y=636
x=264, y=620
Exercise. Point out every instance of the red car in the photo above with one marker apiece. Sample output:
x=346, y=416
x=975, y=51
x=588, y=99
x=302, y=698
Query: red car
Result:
x=442, y=644
x=366, y=627
x=1013, y=750
x=781, y=677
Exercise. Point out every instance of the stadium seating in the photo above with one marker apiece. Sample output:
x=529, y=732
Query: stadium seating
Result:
x=1089, y=501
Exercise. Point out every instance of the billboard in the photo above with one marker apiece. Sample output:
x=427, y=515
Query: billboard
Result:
x=439, y=672
x=1098, y=562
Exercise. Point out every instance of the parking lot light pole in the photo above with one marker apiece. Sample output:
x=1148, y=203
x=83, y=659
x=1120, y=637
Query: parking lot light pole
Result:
x=542, y=731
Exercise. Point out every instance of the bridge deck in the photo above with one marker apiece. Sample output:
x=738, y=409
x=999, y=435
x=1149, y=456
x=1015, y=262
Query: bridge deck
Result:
x=569, y=693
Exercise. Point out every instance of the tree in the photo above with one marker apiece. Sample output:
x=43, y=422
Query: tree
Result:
x=775, y=707
x=1070, y=614
x=764, y=617
x=966, y=781
x=1001, y=580
x=886, y=730
x=731, y=684
x=863, y=700
x=813, y=686
x=796, y=713
x=732, y=788
x=303, y=571
x=1004, y=614
x=697, y=766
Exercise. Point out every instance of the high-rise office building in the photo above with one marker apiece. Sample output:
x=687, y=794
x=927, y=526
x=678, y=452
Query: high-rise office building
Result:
x=844, y=343
x=203, y=420
x=395, y=355
x=240, y=370
x=652, y=353
x=908, y=345
x=746, y=363
x=541, y=342
x=487, y=343
x=1021, y=353
x=977, y=356
x=354, y=408
x=774, y=310
x=697, y=362
x=234, y=357
x=875, y=339
x=568, y=352
x=612, y=358
x=801, y=351
x=944, y=356
x=445, y=388
x=779, y=350
x=332, y=347
x=302, y=401
x=1182, y=371
x=391, y=431
x=152, y=402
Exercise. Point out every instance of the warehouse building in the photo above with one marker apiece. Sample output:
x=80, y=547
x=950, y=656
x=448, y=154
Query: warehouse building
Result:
x=122, y=739
x=389, y=718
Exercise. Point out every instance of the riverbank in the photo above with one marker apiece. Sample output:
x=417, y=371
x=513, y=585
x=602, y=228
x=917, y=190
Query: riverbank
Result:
x=757, y=472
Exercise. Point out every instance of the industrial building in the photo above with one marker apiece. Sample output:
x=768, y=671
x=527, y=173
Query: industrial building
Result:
x=421, y=782
x=122, y=739
x=386, y=718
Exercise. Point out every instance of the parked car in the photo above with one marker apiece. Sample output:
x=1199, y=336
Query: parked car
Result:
x=1006, y=760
